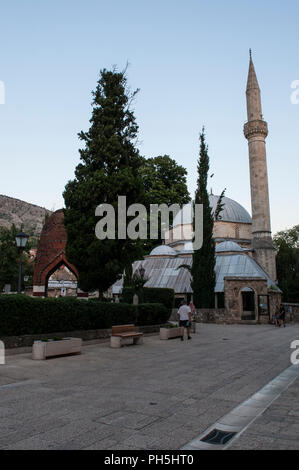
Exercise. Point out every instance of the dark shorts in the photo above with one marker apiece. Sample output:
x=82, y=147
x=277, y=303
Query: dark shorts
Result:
x=184, y=323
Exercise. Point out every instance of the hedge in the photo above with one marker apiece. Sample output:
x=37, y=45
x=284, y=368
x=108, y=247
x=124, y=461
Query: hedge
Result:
x=152, y=314
x=160, y=295
x=23, y=315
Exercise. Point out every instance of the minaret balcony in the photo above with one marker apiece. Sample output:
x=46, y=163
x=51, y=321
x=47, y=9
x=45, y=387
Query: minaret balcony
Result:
x=255, y=128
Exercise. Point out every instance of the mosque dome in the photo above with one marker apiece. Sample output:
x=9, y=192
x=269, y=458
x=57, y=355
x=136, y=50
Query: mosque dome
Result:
x=232, y=212
x=228, y=246
x=163, y=250
x=187, y=248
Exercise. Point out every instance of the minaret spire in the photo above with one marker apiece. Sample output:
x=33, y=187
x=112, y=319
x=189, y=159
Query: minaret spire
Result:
x=253, y=93
x=256, y=131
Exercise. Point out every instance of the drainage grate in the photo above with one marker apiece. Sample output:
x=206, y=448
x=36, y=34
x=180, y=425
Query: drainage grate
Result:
x=218, y=437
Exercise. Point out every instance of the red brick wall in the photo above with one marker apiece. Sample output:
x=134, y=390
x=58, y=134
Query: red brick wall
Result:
x=51, y=249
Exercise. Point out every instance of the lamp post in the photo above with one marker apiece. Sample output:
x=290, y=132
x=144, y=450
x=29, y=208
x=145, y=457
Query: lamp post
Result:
x=21, y=240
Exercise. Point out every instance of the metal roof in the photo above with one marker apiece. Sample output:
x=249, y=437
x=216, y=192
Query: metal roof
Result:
x=163, y=272
x=240, y=266
x=228, y=246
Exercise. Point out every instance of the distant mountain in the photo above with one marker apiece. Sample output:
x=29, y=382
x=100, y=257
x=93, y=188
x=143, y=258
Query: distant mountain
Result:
x=14, y=211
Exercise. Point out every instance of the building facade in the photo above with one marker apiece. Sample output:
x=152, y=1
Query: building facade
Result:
x=246, y=288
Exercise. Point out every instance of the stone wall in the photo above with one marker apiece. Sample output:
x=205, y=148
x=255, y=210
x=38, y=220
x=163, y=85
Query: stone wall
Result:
x=233, y=231
x=212, y=315
x=227, y=230
x=275, y=301
x=233, y=311
x=233, y=295
x=292, y=311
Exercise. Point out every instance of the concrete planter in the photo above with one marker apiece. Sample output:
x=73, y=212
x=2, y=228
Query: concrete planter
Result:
x=168, y=333
x=43, y=349
x=193, y=327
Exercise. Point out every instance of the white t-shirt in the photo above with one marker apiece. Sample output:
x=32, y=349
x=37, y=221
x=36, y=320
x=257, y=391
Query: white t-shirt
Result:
x=183, y=312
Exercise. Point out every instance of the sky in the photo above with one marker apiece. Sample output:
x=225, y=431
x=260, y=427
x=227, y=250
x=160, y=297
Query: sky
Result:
x=190, y=61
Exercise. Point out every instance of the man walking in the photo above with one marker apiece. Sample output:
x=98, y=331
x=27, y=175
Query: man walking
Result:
x=184, y=313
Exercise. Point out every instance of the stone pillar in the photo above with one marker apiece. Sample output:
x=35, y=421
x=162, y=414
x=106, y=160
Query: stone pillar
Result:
x=256, y=131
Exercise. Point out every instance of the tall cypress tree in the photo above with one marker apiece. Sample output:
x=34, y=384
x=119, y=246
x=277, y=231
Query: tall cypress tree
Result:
x=110, y=167
x=203, y=262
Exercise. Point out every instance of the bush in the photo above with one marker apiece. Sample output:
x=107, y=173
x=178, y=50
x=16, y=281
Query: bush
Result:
x=160, y=295
x=152, y=314
x=22, y=315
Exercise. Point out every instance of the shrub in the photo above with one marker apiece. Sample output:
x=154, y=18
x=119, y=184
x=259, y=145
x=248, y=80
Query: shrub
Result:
x=160, y=295
x=22, y=315
x=152, y=314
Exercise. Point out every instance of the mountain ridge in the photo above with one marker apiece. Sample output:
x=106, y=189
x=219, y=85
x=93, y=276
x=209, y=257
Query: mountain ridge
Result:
x=18, y=212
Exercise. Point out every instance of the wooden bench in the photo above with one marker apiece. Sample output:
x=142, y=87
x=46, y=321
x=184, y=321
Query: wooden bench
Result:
x=125, y=334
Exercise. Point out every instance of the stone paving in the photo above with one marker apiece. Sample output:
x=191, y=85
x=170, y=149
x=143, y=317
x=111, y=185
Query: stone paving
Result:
x=159, y=395
x=277, y=428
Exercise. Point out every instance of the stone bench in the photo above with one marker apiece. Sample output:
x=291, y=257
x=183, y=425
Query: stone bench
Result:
x=125, y=334
x=43, y=349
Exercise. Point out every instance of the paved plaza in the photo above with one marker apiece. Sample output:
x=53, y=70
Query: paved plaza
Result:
x=159, y=395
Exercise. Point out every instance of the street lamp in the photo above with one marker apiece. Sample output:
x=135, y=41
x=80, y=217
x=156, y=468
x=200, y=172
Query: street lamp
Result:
x=21, y=239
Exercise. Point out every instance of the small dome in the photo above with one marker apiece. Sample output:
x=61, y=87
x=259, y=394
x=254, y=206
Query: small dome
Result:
x=228, y=246
x=188, y=248
x=232, y=212
x=163, y=250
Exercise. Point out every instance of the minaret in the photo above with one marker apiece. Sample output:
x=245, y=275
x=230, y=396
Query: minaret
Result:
x=256, y=131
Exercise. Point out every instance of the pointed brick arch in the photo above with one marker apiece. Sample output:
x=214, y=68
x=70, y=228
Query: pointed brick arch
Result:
x=51, y=253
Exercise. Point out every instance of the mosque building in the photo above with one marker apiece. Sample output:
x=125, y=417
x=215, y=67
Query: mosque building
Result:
x=246, y=288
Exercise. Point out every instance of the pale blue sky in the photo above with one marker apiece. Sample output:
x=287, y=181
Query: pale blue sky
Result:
x=189, y=59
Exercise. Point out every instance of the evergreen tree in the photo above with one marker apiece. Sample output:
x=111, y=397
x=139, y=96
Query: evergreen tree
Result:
x=128, y=274
x=203, y=261
x=109, y=168
x=9, y=259
x=219, y=206
x=286, y=243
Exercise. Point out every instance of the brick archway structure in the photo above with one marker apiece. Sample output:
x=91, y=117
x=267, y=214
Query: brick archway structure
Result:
x=51, y=253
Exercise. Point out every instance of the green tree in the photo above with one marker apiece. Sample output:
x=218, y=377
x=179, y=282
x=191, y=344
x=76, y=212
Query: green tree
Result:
x=110, y=167
x=203, y=261
x=289, y=237
x=9, y=259
x=287, y=262
x=164, y=182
